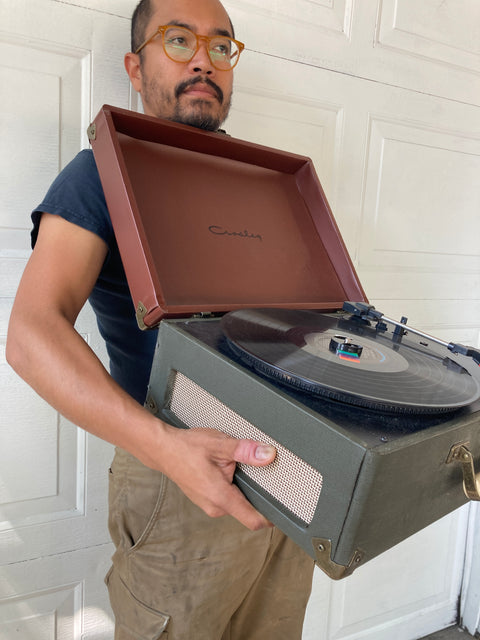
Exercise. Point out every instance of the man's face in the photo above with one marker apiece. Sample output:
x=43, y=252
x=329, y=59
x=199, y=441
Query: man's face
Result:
x=195, y=92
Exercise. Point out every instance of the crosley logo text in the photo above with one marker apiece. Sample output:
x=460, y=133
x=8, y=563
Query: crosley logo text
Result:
x=220, y=231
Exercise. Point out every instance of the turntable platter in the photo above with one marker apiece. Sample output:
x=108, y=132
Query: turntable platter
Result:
x=344, y=359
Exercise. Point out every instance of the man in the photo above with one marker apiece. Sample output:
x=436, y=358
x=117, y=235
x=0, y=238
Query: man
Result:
x=194, y=560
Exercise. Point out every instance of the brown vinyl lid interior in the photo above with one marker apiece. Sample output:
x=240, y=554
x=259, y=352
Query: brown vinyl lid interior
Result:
x=246, y=226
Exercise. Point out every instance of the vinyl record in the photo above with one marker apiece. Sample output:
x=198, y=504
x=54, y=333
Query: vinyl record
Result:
x=349, y=360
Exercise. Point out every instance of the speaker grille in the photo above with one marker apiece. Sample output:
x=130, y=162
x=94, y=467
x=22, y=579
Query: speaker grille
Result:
x=289, y=479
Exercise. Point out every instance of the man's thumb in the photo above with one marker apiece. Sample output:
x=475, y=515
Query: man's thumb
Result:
x=254, y=453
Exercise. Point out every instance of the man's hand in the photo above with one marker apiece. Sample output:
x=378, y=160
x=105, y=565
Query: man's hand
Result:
x=202, y=463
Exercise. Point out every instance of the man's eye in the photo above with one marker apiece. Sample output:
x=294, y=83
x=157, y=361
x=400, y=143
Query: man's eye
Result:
x=221, y=49
x=178, y=41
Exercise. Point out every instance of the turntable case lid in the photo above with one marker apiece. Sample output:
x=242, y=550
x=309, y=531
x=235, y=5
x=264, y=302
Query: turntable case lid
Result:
x=209, y=223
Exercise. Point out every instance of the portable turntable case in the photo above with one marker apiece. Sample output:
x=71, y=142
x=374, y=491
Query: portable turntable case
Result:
x=207, y=224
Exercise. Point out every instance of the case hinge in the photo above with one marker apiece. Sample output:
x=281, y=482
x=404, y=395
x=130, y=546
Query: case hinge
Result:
x=140, y=315
x=92, y=132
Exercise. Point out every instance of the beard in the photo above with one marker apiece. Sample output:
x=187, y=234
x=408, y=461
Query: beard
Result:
x=199, y=113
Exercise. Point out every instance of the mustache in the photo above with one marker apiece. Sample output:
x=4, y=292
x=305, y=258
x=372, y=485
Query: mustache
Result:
x=180, y=88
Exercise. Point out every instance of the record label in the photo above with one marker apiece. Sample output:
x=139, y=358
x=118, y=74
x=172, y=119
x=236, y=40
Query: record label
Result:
x=372, y=357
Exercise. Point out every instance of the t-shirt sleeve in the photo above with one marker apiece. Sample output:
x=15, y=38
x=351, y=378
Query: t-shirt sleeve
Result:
x=77, y=196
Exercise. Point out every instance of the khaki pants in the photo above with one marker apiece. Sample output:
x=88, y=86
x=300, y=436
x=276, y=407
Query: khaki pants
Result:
x=179, y=575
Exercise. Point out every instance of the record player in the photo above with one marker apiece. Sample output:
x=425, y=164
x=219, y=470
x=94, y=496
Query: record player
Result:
x=231, y=249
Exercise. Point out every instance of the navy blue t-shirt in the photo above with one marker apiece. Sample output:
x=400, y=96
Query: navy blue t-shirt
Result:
x=77, y=196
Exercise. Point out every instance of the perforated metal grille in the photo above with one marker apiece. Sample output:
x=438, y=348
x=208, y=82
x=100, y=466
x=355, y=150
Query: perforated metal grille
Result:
x=289, y=479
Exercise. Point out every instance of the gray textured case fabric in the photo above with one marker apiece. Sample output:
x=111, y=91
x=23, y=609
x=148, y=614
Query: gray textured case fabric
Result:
x=348, y=483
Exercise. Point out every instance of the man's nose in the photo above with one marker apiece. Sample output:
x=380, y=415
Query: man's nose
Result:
x=201, y=60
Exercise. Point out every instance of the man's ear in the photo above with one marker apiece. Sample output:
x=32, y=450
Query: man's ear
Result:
x=132, y=67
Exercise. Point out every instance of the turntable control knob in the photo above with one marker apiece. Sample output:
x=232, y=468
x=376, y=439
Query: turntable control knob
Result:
x=344, y=347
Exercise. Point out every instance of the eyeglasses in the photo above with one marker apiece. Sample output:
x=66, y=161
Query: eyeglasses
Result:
x=181, y=44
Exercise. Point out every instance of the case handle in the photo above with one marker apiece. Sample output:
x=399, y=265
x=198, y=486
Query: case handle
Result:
x=471, y=481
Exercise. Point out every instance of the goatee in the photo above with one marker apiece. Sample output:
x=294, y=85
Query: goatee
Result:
x=196, y=112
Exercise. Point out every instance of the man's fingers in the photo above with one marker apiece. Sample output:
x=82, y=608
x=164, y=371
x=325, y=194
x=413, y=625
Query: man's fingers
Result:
x=207, y=472
x=243, y=511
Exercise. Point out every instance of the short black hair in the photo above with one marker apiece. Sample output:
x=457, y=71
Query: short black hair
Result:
x=140, y=19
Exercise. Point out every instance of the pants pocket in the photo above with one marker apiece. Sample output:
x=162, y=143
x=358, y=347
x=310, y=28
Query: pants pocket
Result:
x=135, y=500
x=133, y=619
